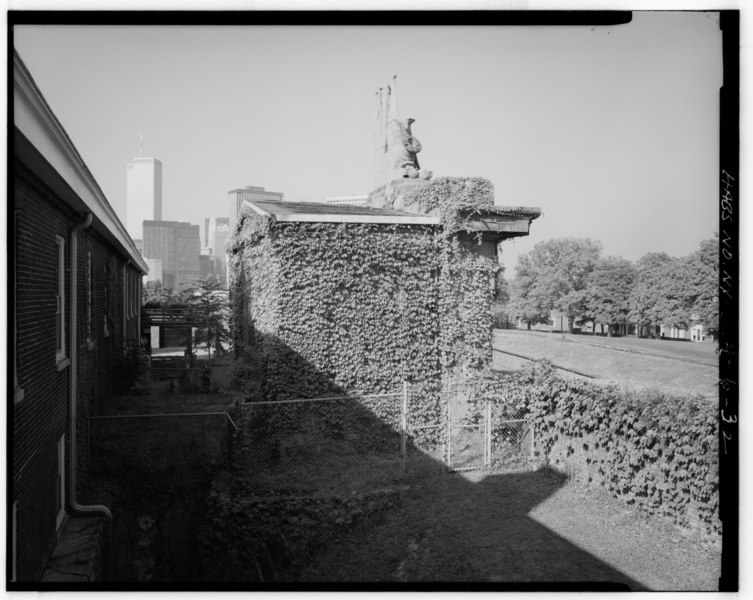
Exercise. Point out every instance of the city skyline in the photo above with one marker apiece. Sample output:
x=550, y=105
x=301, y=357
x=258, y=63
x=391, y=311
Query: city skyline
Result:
x=178, y=245
x=612, y=131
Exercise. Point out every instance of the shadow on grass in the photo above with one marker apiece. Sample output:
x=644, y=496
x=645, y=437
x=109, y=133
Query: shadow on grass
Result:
x=288, y=514
x=447, y=529
x=452, y=533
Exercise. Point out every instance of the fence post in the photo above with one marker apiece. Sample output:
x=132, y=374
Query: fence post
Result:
x=403, y=426
x=449, y=431
x=533, y=439
x=487, y=434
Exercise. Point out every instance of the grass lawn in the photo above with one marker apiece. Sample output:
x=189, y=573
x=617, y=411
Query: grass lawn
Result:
x=674, y=367
x=518, y=528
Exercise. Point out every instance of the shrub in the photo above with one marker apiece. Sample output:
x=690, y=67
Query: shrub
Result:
x=245, y=537
x=656, y=451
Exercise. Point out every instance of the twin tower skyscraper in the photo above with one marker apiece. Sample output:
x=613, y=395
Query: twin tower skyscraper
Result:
x=143, y=196
x=173, y=249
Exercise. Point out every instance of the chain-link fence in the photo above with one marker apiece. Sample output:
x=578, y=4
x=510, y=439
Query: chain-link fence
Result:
x=489, y=435
x=322, y=443
x=308, y=445
x=170, y=440
x=511, y=445
x=466, y=447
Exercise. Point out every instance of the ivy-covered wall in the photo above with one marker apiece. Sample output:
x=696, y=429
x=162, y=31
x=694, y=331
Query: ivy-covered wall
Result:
x=321, y=308
x=324, y=308
x=653, y=450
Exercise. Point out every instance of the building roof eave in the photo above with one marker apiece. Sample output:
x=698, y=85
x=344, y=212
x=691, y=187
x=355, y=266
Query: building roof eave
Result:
x=42, y=143
x=316, y=212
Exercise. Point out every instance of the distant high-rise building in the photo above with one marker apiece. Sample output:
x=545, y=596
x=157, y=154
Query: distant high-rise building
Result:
x=178, y=245
x=187, y=251
x=207, y=243
x=155, y=269
x=213, y=225
x=206, y=264
x=250, y=193
x=216, y=234
x=143, y=194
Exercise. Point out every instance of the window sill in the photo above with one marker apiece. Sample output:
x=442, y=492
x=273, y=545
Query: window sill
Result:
x=62, y=363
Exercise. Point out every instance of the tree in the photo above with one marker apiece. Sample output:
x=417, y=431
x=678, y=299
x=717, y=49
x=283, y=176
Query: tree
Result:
x=156, y=293
x=653, y=300
x=678, y=294
x=677, y=291
x=501, y=301
x=526, y=302
x=209, y=299
x=552, y=276
x=704, y=285
x=607, y=292
x=501, y=287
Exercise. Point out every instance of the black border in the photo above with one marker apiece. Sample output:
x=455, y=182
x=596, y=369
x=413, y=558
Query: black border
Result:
x=729, y=302
x=728, y=258
x=313, y=17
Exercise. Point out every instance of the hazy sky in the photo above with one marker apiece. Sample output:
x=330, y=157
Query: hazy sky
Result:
x=612, y=131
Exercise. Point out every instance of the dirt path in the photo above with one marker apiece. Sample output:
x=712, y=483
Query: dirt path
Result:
x=515, y=528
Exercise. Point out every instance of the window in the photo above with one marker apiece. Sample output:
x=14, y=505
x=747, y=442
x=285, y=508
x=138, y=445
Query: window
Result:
x=133, y=296
x=127, y=292
x=107, y=301
x=60, y=305
x=130, y=295
x=89, y=304
x=60, y=483
x=137, y=299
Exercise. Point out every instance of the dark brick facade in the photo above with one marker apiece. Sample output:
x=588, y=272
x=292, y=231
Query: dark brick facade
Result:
x=40, y=413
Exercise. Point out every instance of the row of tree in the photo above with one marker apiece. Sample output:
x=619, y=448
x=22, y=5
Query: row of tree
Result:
x=570, y=276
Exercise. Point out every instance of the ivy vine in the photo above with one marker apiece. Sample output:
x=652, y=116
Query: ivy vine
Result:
x=657, y=451
x=325, y=308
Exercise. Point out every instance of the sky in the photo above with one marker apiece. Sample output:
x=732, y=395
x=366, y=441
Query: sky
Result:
x=611, y=131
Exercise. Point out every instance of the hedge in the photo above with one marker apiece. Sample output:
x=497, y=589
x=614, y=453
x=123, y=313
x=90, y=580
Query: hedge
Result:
x=656, y=451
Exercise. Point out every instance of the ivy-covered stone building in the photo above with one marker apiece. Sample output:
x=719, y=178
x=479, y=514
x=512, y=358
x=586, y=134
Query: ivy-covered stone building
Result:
x=334, y=298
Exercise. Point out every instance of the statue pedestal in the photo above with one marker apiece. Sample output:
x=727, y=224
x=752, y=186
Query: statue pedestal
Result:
x=392, y=194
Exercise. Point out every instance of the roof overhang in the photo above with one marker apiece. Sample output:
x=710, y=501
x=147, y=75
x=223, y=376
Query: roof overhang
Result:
x=501, y=222
x=375, y=216
x=496, y=223
x=43, y=145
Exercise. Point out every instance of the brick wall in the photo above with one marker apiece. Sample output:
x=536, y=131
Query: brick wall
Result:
x=99, y=293
x=41, y=416
x=39, y=419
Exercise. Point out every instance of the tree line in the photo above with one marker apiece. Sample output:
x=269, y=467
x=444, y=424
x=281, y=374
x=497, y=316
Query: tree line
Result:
x=569, y=275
